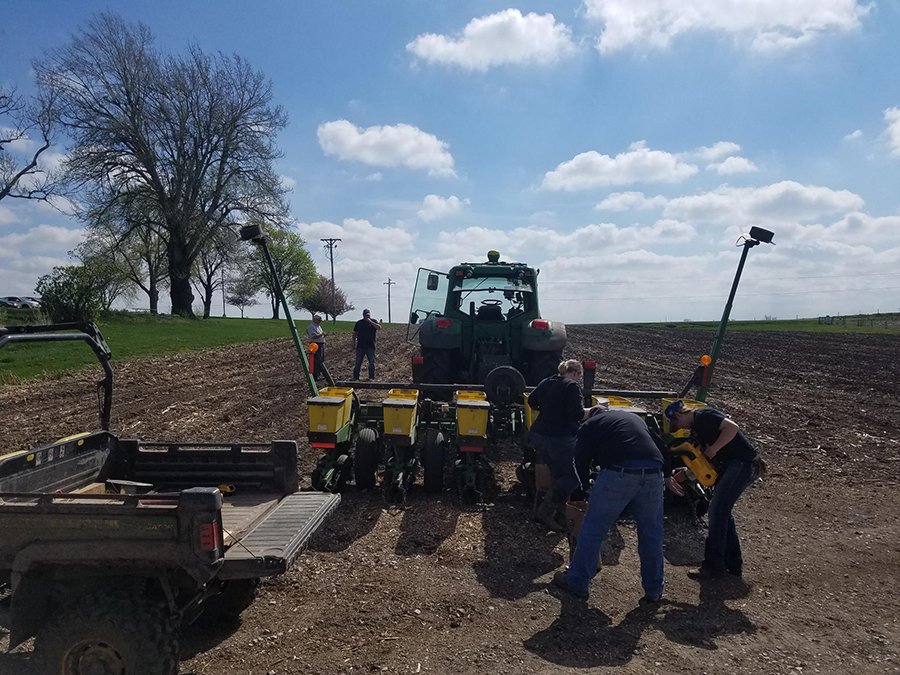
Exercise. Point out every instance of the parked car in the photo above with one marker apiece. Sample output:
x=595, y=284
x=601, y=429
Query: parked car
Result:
x=15, y=302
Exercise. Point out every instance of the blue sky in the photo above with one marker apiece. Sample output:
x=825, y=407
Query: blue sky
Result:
x=620, y=145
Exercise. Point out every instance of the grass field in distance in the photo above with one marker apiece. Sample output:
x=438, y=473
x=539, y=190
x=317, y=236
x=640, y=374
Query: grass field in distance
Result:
x=131, y=336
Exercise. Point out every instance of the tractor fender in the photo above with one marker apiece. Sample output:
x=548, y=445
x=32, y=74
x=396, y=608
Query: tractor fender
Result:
x=548, y=339
x=449, y=337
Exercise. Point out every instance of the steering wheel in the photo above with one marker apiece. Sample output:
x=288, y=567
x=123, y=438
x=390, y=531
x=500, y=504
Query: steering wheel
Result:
x=492, y=302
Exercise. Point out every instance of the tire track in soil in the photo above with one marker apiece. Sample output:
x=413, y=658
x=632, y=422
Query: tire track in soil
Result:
x=465, y=593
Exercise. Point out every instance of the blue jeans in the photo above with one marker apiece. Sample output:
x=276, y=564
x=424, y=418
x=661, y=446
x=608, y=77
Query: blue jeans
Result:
x=723, y=549
x=369, y=353
x=558, y=453
x=613, y=492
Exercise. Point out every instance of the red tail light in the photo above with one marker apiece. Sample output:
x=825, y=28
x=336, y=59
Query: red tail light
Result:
x=209, y=537
x=590, y=365
x=442, y=323
x=418, y=360
x=540, y=324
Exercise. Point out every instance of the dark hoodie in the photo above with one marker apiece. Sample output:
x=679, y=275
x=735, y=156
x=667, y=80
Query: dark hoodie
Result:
x=560, y=402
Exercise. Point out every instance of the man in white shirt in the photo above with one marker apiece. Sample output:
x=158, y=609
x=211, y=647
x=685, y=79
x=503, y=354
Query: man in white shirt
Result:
x=316, y=335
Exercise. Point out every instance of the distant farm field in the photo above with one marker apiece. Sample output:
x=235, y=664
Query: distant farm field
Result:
x=883, y=324
x=132, y=336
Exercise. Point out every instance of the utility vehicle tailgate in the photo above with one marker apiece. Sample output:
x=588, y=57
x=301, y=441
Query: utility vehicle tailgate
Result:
x=275, y=542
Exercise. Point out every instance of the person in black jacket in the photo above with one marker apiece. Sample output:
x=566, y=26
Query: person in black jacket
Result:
x=634, y=464
x=738, y=465
x=560, y=402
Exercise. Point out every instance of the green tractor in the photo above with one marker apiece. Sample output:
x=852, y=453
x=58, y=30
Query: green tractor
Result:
x=480, y=317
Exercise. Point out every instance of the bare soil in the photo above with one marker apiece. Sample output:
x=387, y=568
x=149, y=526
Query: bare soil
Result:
x=434, y=589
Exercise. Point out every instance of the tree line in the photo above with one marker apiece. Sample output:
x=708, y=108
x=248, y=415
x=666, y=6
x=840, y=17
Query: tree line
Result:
x=168, y=155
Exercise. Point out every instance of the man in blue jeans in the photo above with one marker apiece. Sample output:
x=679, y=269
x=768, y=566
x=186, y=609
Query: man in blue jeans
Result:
x=738, y=465
x=634, y=467
x=365, y=335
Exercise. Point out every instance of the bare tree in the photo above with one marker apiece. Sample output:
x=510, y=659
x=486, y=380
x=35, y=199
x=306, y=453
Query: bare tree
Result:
x=210, y=265
x=240, y=292
x=193, y=135
x=129, y=237
x=22, y=173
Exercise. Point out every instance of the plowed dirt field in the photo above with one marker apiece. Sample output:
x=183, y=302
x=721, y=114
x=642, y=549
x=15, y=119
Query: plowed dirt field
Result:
x=432, y=589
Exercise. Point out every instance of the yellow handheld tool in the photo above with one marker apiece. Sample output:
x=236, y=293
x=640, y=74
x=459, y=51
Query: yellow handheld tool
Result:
x=227, y=489
x=696, y=461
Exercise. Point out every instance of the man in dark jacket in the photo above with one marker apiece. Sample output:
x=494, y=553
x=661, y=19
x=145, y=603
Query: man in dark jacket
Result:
x=634, y=465
x=738, y=465
x=365, y=336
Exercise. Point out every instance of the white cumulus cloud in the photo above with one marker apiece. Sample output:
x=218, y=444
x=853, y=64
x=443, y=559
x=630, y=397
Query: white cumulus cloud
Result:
x=638, y=164
x=715, y=152
x=435, y=206
x=360, y=239
x=398, y=145
x=854, y=135
x=766, y=25
x=625, y=201
x=892, y=119
x=40, y=239
x=780, y=202
x=733, y=165
x=506, y=37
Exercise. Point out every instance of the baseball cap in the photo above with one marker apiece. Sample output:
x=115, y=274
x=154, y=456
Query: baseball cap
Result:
x=316, y=317
x=365, y=312
x=674, y=408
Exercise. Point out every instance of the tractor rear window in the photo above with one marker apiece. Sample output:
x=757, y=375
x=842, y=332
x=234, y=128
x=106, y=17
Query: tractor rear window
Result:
x=495, y=298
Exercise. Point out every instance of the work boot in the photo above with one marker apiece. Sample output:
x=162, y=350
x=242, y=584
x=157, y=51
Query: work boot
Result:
x=547, y=510
x=705, y=574
x=561, y=580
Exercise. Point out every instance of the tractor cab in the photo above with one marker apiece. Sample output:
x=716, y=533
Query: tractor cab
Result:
x=479, y=316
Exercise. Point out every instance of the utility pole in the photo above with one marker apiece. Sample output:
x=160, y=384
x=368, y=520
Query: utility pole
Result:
x=330, y=245
x=389, y=283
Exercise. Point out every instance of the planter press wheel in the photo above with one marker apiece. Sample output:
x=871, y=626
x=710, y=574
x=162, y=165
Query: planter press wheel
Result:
x=433, y=456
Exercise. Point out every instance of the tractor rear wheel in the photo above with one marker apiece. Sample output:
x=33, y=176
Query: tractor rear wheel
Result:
x=542, y=365
x=366, y=459
x=437, y=366
x=433, y=461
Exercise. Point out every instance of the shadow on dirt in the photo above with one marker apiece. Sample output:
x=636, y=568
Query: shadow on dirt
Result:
x=516, y=550
x=355, y=518
x=683, y=539
x=18, y=663
x=427, y=522
x=201, y=637
x=584, y=636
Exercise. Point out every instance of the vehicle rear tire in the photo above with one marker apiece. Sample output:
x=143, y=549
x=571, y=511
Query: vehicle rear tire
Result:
x=433, y=460
x=108, y=632
x=542, y=365
x=366, y=458
x=437, y=366
x=235, y=596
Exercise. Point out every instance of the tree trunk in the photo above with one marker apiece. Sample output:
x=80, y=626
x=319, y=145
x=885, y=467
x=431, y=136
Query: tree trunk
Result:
x=153, y=294
x=242, y=312
x=180, y=289
x=275, y=308
x=207, y=299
